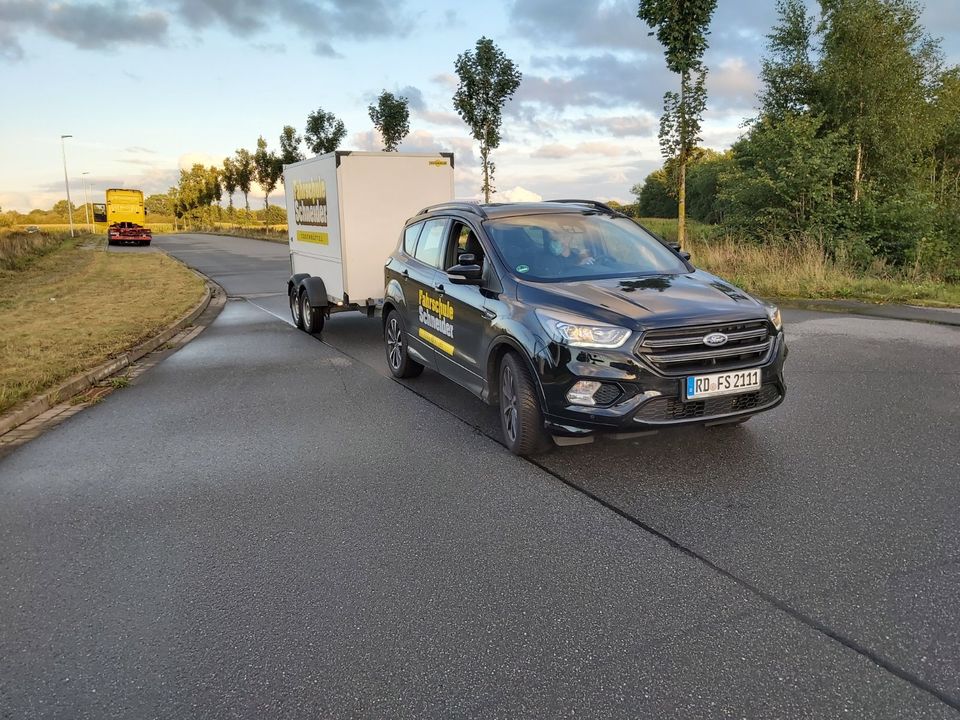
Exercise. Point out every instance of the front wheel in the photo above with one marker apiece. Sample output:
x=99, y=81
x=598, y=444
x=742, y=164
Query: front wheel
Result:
x=311, y=317
x=520, y=416
x=400, y=363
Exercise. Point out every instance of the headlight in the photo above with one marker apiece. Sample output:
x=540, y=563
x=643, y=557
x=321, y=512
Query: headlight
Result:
x=581, y=332
x=773, y=312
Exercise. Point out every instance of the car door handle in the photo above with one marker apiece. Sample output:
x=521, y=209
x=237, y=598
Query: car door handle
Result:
x=438, y=287
x=406, y=273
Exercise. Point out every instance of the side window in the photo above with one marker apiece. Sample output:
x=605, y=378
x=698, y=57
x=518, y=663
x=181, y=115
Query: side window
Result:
x=410, y=236
x=431, y=242
x=463, y=240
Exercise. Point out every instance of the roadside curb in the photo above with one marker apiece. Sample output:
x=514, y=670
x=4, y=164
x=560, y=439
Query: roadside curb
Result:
x=214, y=297
x=231, y=235
x=910, y=313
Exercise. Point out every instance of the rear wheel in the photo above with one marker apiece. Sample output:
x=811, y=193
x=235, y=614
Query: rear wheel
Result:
x=400, y=363
x=295, y=308
x=520, y=416
x=311, y=317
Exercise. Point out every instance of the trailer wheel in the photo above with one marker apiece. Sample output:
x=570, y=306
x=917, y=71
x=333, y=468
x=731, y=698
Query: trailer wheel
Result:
x=312, y=318
x=520, y=416
x=400, y=363
x=295, y=308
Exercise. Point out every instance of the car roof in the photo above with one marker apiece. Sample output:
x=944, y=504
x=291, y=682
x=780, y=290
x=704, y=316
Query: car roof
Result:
x=490, y=211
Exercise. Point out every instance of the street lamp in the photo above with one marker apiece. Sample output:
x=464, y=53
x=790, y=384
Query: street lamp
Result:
x=66, y=180
x=86, y=200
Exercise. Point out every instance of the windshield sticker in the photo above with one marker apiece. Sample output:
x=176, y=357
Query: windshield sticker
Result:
x=523, y=268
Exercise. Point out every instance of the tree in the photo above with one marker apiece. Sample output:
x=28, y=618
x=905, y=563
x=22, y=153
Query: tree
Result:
x=874, y=83
x=290, y=151
x=787, y=71
x=229, y=177
x=681, y=27
x=391, y=116
x=199, y=188
x=324, y=132
x=269, y=168
x=781, y=181
x=244, y=169
x=656, y=196
x=488, y=78
x=158, y=204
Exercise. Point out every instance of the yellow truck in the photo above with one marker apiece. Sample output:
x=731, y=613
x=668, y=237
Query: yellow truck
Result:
x=122, y=217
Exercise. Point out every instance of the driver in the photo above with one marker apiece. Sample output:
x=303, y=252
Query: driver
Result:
x=563, y=254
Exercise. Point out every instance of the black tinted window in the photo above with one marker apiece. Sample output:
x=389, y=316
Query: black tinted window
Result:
x=579, y=246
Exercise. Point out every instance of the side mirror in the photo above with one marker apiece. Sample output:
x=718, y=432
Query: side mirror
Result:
x=466, y=271
x=675, y=246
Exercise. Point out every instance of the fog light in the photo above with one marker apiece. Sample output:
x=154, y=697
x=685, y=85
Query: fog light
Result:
x=582, y=392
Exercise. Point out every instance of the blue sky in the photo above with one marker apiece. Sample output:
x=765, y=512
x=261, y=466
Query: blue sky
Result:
x=148, y=87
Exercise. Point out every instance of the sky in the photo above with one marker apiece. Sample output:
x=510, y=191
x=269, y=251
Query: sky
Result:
x=147, y=88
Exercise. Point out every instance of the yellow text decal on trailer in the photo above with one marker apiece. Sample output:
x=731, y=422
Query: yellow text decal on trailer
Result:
x=310, y=203
x=320, y=238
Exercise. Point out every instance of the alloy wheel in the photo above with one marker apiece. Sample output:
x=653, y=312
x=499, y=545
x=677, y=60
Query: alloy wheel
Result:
x=508, y=403
x=394, y=343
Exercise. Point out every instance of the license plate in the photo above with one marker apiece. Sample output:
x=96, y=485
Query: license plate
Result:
x=728, y=383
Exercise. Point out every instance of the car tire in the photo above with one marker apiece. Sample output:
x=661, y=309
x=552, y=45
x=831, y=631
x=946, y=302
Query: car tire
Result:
x=521, y=419
x=311, y=317
x=295, y=308
x=398, y=359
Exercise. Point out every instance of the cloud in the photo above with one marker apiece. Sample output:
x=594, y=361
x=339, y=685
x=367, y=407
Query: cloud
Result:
x=617, y=125
x=518, y=194
x=110, y=23
x=351, y=19
x=556, y=151
x=80, y=24
x=448, y=81
x=605, y=80
x=414, y=97
x=732, y=84
x=583, y=24
x=188, y=160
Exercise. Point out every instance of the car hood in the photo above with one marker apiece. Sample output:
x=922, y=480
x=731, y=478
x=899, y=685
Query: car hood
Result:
x=648, y=301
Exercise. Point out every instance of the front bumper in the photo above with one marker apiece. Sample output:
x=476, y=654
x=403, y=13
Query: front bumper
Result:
x=648, y=401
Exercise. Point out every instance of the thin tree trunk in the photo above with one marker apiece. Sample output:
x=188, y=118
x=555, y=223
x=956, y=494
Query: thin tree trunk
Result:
x=484, y=154
x=857, y=172
x=682, y=202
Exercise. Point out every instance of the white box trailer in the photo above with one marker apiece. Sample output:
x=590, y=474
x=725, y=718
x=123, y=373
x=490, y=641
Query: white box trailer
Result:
x=345, y=213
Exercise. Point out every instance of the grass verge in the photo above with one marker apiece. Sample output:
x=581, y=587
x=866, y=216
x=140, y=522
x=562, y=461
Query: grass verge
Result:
x=74, y=307
x=807, y=272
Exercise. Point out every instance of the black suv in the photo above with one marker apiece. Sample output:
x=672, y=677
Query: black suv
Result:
x=575, y=320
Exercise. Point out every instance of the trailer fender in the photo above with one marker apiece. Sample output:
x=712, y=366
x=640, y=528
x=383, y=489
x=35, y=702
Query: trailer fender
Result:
x=316, y=291
x=294, y=282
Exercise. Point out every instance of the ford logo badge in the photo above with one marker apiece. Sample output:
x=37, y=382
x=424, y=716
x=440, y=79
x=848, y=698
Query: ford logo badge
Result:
x=715, y=339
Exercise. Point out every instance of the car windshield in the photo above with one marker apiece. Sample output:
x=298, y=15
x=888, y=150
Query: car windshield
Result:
x=569, y=246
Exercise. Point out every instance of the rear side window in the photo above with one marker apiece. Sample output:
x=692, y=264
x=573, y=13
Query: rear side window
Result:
x=431, y=242
x=410, y=236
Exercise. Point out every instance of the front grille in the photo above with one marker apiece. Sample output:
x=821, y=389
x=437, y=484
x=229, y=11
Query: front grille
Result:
x=664, y=409
x=607, y=394
x=681, y=351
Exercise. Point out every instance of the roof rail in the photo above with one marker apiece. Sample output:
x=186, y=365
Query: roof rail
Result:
x=464, y=205
x=592, y=203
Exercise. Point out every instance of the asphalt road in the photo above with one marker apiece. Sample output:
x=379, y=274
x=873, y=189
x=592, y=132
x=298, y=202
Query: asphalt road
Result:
x=267, y=525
